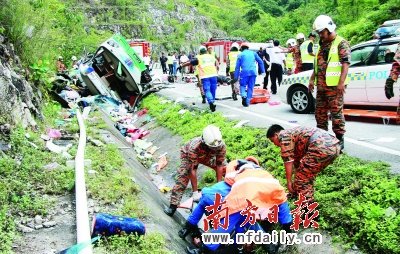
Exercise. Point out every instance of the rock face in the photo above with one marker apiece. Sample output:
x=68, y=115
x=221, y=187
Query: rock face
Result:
x=161, y=22
x=19, y=100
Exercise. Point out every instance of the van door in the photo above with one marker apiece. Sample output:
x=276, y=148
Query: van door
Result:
x=378, y=72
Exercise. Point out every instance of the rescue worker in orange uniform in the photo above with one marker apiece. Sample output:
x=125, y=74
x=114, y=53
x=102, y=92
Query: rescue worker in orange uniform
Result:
x=306, y=151
x=249, y=181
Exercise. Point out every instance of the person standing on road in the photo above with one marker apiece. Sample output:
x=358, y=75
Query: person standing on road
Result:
x=209, y=150
x=247, y=71
x=289, y=57
x=146, y=60
x=330, y=76
x=170, y=63
x=207, y=70
x=308, y=150
x=295, y=50
x=267, y=64
x=277, y=64
x=393, y=77
x=307, y=53
x=231, y=64
x=163, y=61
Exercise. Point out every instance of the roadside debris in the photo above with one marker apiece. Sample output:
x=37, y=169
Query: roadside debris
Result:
x=241, y=123
x=108, y=225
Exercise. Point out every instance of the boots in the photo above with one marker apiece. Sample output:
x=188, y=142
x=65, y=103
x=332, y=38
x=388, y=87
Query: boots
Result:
x=234, y=96
x=204, y=99
x=341, y=141
x=170, y=210
x=212, y=107
x=188, y=229
x=244, y=102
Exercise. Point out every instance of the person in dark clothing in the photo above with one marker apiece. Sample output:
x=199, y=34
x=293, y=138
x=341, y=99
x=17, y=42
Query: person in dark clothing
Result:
x=266, y=59
x=277, y=63
x=163, y=61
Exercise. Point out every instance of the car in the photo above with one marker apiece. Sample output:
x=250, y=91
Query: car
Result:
x=370, y=66
x=116, y=71
x=389, y=28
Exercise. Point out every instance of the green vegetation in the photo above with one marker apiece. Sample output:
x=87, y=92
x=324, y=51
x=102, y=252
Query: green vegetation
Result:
x=354, y=195
x=113, y=185
x=24, y=182
x=149, y=244
x=259, y=20
x=43, y=30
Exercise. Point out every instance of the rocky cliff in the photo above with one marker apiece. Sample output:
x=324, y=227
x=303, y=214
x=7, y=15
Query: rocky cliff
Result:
x=19, y=100
x=167, y=24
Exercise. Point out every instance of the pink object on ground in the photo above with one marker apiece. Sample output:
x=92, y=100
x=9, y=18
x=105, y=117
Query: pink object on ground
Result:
x=53, y=133
x=274, y=103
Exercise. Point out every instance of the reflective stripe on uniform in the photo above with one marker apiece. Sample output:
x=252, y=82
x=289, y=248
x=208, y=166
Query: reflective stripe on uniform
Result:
x=233, y=55
x=334, y=69
x=305, y=56
x=206, y=66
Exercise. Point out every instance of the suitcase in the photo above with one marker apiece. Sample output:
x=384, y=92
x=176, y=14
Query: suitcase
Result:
x=260, y=96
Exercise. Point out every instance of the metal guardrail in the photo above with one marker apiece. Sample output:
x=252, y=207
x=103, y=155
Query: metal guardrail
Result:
x=82, y=215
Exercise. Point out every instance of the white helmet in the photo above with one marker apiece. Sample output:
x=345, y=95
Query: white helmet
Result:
x=212, y=136
x=324, y=22
x=73, y=58
x=235, y=45
x=300, y=36
x=291, y=42
x=60, y=58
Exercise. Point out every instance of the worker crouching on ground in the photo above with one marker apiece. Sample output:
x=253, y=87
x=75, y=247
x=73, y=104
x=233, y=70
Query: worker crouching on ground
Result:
x=250, y=182
x=206, y=65
x=307, y=149
x=209, y=150
x=246, y=70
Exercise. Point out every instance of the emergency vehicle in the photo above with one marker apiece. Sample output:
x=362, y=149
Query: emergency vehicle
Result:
x=370, y=66
x=116, y=71
x=141, y=47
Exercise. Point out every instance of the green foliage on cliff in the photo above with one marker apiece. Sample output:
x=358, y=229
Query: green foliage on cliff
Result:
x=43, y=30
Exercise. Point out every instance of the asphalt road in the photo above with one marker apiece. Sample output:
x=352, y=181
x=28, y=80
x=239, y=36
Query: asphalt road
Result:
x=367, y=141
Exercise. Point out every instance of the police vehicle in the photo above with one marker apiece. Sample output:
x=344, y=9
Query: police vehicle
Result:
x=370, y=66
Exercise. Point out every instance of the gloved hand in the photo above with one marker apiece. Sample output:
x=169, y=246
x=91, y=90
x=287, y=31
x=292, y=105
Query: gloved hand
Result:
x=389, y=88
x=269, y=68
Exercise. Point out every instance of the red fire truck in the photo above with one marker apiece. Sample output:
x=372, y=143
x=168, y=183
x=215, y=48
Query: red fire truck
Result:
x=142, y=47
x=222, y=46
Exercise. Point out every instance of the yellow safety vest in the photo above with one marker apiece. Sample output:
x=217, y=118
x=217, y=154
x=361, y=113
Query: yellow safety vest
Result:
x=289, y=61
x=233, y=55
x=206, y=66
x=334, y=69
x=305, y=56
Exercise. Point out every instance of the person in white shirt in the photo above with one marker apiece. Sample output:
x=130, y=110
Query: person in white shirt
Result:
x=182, y=60
x=277, y=59
x=147, y=60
